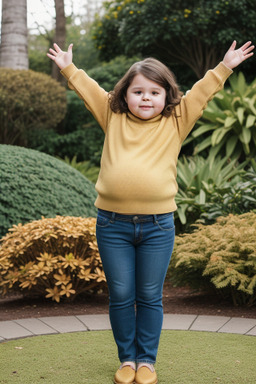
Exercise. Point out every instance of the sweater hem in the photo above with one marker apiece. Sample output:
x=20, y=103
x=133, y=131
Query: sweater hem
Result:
x=136, y=209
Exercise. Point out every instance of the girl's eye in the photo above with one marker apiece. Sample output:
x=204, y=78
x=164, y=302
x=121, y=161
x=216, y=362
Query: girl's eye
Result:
x=154, y=93
x=137, y=92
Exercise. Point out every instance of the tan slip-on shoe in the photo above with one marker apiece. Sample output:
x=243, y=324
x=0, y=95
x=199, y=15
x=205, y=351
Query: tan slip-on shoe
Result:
x=145, y=375
x=125, y=375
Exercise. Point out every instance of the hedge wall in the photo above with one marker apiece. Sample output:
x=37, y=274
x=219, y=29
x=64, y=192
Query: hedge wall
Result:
x=33, y=184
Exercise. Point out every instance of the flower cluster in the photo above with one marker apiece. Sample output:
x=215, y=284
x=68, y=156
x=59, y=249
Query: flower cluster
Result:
x=56, y=258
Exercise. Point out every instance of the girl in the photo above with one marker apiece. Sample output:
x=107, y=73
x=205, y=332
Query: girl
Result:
x=145, y=120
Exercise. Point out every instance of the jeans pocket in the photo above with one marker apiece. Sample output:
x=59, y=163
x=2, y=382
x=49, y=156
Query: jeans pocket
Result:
x=166, y=223
x=102, y=221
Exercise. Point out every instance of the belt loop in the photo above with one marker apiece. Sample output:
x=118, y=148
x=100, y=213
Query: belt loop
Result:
x=112, y=220
x=154, y=219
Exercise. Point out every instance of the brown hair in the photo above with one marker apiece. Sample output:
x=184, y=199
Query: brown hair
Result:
x=153, y=70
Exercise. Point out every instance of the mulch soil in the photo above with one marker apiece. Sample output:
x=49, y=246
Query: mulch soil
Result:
x=175, y=301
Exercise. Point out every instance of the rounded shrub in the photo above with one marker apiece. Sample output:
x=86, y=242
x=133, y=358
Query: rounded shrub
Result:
x=28, y=100
x=57, y=258
x=34, y=184
x=220, y=256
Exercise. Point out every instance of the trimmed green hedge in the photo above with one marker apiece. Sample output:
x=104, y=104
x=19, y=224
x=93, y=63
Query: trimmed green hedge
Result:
x=34, y=184
x=28, y=101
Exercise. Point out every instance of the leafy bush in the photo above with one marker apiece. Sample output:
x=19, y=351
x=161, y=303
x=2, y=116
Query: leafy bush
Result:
x=109, y=73
x=231, y=119
x=89, y=171
x=56, y=258
x=34, y=184
x=85, y=143
x=28, y=100
x=197, y=179
x=232, y=198
x=220, y=256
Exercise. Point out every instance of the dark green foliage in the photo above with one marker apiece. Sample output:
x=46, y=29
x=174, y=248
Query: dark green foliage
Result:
x=108, y=74
x=79, y=134
x=85, y=143
x=228, y=123
x=199, y=182
x=193, y=32
x=34, y=184
x=28, y=100
x=232, y=198
x=85, y=167
x=39, y=62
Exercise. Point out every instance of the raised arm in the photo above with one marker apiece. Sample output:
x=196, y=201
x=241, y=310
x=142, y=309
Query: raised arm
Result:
x=234, y=57
x=61, y=58
x=95, y=98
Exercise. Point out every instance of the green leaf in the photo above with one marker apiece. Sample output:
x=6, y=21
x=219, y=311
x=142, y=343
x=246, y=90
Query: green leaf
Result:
x=181, y=211
x=245, y=136
x=250, y=121
x=202, y=196
x=204, y=144
x=203, y=129
x=231, y=144
x=250, y=102
x=217, y=136
x=229, y=121
x=241, y=83
x=240, y=114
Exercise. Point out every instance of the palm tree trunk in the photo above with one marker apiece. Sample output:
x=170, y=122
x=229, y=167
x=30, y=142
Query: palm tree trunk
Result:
x=60, y=35
x=14, y=39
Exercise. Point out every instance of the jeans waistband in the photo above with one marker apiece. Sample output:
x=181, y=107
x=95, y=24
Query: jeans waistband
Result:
x=134, y=218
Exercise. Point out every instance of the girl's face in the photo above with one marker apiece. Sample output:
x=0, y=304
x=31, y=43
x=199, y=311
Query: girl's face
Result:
x=145, y=98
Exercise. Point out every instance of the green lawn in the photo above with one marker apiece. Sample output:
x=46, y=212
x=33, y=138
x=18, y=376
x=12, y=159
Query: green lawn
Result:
x=90, y=357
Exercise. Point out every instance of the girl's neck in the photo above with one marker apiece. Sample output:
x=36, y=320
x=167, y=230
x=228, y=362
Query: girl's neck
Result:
x=143, y=121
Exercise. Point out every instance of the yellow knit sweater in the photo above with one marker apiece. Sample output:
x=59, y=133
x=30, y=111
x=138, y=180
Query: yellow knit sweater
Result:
x=139, y=158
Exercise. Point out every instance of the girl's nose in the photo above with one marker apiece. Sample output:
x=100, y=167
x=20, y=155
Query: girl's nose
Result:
x=146, y=97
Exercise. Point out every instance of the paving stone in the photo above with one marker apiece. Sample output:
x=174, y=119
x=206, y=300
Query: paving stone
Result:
x=63, y=324
x=252, y=332
x=11, y=330
x=95, y=322
x=178, y=322
x=238, y=325
x=36, y=326
x=209, y=323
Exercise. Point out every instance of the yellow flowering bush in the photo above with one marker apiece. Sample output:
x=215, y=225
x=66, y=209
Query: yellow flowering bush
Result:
x=220, y=256
x=57, y=258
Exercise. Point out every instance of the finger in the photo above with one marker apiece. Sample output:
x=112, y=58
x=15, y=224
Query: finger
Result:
x=249, y=49
x=70, y=48
x=53, y=52
x=249, y=55
x=51, y=56
x=57, y=48
x=233, y=45
x=246, y=45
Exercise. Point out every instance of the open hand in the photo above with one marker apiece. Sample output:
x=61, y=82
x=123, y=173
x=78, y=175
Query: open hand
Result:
x=61, y=58
x=234, y=57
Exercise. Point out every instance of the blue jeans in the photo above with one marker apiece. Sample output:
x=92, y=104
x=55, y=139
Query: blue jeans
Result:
x=135, y=252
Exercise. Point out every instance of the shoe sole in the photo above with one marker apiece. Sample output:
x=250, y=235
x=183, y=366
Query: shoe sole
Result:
x=155, y=382
x=132, y=382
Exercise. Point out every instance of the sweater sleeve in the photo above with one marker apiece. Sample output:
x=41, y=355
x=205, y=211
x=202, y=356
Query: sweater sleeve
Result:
x=195, y=101
x=95, y=98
